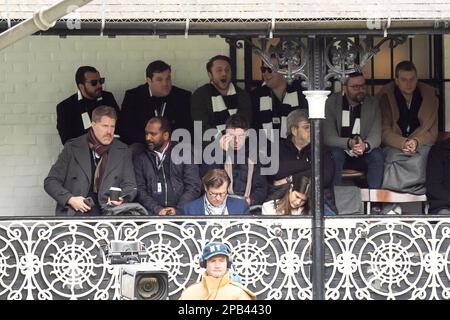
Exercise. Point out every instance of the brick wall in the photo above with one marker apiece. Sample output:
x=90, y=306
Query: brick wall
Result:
x=38, y=72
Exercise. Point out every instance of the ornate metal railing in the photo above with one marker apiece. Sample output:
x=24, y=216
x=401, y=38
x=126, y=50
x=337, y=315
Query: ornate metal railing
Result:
x=366, y=258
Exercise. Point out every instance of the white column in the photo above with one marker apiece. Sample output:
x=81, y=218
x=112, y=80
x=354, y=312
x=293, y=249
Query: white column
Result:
x=316, y=103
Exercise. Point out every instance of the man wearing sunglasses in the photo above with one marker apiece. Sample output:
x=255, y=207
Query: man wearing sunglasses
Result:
x=74, y=114
x=274, y=100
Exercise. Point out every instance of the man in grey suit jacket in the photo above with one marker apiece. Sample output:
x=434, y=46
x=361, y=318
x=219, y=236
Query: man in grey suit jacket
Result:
x=352, y=129
x=88, y=166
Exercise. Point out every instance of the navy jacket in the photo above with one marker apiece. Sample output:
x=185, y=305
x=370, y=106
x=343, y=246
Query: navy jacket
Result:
x=235, y=206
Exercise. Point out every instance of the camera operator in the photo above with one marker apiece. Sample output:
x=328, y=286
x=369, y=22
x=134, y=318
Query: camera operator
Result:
x=216, y=283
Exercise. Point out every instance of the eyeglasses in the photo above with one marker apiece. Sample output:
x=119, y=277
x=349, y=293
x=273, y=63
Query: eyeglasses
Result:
x=266, y=69
x=358, y=86
x=95, y=81
x=238, y=136
x=217, y=195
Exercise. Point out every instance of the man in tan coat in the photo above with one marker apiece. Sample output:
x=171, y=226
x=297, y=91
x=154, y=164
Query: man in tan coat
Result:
x=409, y=112
x=216, y=283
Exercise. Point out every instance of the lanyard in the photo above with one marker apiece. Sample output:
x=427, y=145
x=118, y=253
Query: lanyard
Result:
x=161, y=161
x=162, y=110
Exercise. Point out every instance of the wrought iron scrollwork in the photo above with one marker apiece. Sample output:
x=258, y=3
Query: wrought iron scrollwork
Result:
x=292, y=56
x=235, y=42
x=344, y=56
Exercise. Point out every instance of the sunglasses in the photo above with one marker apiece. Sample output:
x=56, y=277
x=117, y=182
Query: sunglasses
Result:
x=266, y=69
x=96, y=81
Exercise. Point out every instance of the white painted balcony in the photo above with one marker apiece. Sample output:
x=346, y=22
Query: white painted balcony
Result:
x=365, y=258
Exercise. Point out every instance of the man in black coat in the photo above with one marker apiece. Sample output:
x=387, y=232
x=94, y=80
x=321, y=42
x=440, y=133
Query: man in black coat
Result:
x=240, y=163
x=165, y=182
x=74, y=114
x=156, y=98
x=295, y=160
x=274, y=100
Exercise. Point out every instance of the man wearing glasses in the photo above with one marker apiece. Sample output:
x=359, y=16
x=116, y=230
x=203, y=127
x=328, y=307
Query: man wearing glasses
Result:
x=274, y=100
x=74, y=114
x=216, y=201
x=352, y=129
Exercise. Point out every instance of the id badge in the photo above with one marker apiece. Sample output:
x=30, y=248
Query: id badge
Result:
x=345, y=118
x=86, y=120
x=159, y=187
x=276, y=120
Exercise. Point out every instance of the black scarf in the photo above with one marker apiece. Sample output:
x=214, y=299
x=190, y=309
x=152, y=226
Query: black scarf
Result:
x=408, y=120
x=355, y=113
x=231, y=102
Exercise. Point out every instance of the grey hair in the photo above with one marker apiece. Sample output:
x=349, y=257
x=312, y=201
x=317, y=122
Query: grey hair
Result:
x=294, y=118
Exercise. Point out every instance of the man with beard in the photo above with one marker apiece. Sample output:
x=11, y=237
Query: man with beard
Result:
x=352, y=129
x=157, y=97
x=214, y=102
x=164, y=182
x=89, y=166
x=74, y=114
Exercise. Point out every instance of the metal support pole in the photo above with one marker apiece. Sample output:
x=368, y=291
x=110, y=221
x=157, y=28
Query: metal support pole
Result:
x=318, y=250
x=316, y=83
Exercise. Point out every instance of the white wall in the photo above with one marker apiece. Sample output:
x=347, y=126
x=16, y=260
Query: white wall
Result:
x=38, y=72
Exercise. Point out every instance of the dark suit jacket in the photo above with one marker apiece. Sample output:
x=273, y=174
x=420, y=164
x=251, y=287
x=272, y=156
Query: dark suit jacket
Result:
x=71, y=175
x=235, y=206
x=69, y=111
x=138, y=107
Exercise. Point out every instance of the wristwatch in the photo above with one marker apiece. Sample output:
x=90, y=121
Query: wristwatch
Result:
x=289, y=179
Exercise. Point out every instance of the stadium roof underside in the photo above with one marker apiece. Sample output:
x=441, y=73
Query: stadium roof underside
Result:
x=249, y=17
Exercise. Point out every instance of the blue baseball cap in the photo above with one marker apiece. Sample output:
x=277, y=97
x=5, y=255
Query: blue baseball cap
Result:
x=213, y=249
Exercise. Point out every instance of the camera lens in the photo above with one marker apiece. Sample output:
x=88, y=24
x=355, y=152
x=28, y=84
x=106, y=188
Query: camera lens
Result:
x=150, y=287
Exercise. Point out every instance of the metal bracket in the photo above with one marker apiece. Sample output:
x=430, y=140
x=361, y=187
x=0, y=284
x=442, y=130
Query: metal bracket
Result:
x=186, y=29
x=41, y=22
